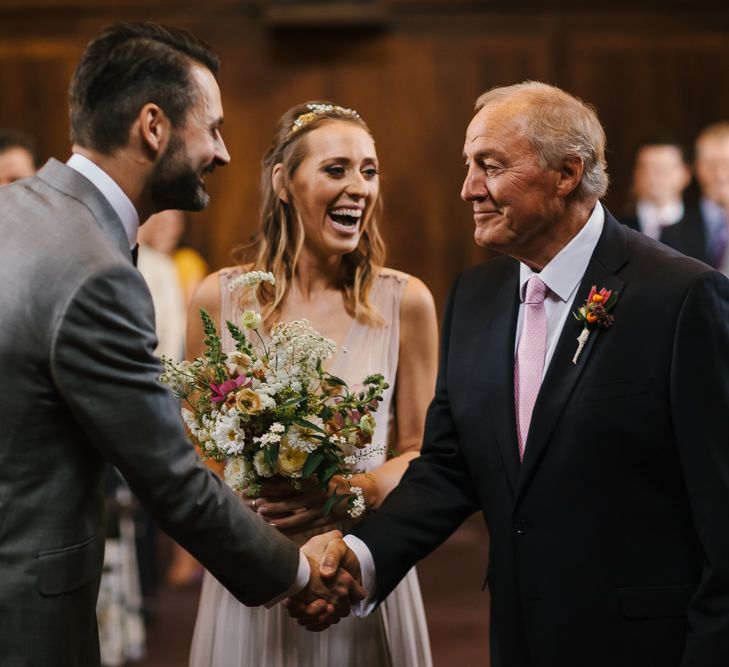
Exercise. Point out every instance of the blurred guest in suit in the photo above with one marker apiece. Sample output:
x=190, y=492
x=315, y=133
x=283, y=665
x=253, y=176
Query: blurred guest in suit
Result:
x=18, y=156
x=660, y=175
x=704, y=231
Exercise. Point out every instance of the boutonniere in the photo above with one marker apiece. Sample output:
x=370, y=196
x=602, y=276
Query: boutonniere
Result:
x=595, y=313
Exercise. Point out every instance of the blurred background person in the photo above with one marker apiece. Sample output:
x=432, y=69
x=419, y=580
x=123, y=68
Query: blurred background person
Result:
x=160, y=273
x=165, y=232
x=18, y=156
x=660, y=176
x=704, y=231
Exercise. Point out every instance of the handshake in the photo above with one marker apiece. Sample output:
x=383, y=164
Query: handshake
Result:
x=335, y=583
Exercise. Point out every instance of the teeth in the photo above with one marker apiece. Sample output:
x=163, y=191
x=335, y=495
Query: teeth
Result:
x=350, y=212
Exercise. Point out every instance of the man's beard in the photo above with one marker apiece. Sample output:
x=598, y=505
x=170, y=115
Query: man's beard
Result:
x=174, y=183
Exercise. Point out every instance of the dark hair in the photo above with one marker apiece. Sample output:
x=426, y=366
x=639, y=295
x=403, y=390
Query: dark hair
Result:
x=125, y=67
x=15, y=139
x=664, y=139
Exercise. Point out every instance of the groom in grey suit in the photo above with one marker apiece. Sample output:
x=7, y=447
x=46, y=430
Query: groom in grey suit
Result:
x=79, y=383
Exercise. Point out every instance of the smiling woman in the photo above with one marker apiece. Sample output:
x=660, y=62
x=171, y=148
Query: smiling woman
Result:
x=319, y=237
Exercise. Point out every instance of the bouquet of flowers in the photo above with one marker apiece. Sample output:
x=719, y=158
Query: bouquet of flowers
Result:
x=270, y=410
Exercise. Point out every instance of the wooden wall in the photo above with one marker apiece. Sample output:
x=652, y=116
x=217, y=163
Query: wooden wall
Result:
x=413, y=68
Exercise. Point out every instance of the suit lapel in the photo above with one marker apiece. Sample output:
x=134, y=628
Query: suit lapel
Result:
x=68, y=181
x=497, y=321
x=562, y=375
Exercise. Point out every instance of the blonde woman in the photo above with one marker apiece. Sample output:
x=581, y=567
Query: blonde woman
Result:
x=320, y=238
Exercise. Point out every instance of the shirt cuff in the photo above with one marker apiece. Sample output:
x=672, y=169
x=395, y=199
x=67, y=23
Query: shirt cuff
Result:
x=367, y=570
x=302, y=579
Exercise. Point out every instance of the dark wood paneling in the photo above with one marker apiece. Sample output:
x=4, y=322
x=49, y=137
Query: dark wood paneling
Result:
x=414, y=77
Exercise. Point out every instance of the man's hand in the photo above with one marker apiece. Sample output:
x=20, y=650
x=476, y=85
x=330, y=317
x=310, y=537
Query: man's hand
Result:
x=334, y=585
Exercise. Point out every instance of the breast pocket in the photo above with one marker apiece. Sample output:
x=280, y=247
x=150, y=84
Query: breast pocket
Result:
x=655, y=602
x=631, y=388
x=63, y=570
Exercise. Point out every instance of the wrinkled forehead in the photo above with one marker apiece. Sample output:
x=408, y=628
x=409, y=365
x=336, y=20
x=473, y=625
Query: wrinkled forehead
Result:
x=497, y=123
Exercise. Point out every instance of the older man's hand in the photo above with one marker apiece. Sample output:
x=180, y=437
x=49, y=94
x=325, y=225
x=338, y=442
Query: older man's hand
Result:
x=334, y=585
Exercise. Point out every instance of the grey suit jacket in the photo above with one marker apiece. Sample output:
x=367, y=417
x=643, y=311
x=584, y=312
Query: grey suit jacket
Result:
x=78, y=387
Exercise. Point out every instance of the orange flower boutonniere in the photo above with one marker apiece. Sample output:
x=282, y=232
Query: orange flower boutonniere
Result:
x=594, y=313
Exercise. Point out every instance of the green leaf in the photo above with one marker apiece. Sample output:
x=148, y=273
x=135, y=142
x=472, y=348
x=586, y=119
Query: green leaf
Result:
x=332, y=501
x=312, y=463
x=309, y=425
x=292, y=401
x=329, y=473
x=271, y=455
x=333, y=379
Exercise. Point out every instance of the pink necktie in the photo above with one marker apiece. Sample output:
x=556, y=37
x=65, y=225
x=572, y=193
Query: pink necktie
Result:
x=529, y=362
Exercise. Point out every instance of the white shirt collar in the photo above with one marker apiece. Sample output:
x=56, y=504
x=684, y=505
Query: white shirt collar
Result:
x=653, y=218
x=564, y=272
x=111, y=191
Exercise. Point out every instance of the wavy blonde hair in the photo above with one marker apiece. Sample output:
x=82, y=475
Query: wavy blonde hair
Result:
x=277, y=243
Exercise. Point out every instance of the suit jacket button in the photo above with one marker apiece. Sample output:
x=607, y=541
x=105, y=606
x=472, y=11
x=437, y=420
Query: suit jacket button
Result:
x=521, y=526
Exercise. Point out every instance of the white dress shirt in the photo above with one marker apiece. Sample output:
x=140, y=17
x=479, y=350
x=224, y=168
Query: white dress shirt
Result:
x=653, y=219
x=562, y=276
x=108, y=187
x=129, y=217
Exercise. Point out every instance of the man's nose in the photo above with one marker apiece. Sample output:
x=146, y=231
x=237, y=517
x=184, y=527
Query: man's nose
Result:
x=473, y=187
x=222, y=157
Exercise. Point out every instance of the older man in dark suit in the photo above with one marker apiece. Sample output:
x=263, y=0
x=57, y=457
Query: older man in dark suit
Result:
x=596, y=447
x=79, y=383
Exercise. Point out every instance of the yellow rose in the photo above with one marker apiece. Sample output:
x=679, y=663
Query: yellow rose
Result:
x=290, y=460
x=247, y=400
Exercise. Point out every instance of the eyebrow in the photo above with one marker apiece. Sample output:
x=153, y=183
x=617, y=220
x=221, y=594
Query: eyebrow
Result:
x=346, y=159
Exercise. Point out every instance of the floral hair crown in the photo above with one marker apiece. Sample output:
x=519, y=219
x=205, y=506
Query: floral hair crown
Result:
x=316, y=110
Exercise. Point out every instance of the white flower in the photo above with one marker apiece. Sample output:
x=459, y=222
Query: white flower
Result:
x=357, y=505
x=251, y=320
x=250, y=279
x=277, y=427
x=236, y=473
x=267, y=439
x=190, y=421
x=300, y=437
x=347, y=445
x=260, y=464
x=295, y=353
x=229, y=438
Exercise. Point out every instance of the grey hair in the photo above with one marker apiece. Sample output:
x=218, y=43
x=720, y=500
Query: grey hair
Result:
x=558, y=125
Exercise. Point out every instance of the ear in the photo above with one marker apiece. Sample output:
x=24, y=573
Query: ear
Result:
x=277, y=178
x=154, y=128
x=570, y=175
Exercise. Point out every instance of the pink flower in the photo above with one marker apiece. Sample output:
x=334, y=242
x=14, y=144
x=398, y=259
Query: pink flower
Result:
x=221, y=391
